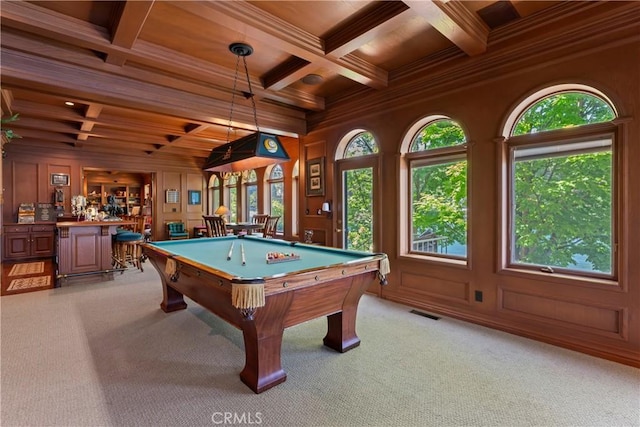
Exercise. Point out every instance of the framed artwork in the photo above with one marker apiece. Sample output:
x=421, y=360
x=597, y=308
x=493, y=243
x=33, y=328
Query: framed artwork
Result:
x=60, y=179
x=172, y=196
x=315, y=177
x=194, y=197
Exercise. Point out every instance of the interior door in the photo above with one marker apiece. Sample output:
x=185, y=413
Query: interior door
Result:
x=356, y=227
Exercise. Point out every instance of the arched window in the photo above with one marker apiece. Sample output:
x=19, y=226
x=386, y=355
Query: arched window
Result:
x=231, y=196
x=437, y=178
x=357, y=172
x=560, y=205
x=276, y=195
x=362, y=144
x=214, y=193
x=295, y=187
x=250, y=182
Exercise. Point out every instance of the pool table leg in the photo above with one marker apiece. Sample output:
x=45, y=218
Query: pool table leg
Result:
x=341, y=327
x=263, y=344
x=172, y=300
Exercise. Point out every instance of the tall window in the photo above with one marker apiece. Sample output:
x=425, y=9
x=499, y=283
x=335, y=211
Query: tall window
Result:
x=437, y=161
x=295, y=187
x=561, y=185
x=231, y=192
x=357, y=170
x=214, y=193
x=250, y=182
x=276, y=195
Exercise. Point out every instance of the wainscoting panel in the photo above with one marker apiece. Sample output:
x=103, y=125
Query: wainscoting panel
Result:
x=435, y=287
x=586, y=317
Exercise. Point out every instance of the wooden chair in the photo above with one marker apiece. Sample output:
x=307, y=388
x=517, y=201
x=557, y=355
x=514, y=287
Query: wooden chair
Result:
x=260, y=219
x=270, y=227
x=177, y=231
x=215, y=226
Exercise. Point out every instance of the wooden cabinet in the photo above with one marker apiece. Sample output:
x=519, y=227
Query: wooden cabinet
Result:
x=23, y=241
x=85, y=247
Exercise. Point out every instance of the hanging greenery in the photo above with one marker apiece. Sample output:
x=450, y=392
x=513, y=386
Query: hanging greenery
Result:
x=8, y=134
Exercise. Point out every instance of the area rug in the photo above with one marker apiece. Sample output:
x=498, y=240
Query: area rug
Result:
x=27, y=268
x=29, y=282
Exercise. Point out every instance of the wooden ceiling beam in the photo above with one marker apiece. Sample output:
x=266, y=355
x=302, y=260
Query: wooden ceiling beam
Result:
x=362, y=28
x=454, y=21
x=287, y=73
x=106, y=120
x=40, y=21
x=245, y=18
x=133, y=16
x=30, y=71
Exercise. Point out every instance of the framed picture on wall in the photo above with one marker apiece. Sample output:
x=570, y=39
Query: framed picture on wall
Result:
x=315, y=177
x=172, y=196
x=60, y=179
x=194, y=197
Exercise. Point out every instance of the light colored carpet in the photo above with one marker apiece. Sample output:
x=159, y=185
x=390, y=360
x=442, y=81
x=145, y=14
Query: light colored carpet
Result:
x=29, y=282
x=106, y=355
x=27, y=268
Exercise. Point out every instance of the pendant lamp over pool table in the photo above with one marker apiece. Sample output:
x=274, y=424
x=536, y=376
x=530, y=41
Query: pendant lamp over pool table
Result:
x=252, y=151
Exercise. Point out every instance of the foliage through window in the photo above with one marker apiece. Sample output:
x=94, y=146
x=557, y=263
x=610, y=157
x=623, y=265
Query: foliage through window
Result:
x=438, y=176
x=358, y=194
x=251, y=193
x=562, y=203
x=214, y=193
x=231, y=190
x=362, y=144
x=276, y=195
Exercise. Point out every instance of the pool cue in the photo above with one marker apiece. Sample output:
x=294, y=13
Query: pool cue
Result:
x=242, y=250
x=230, y=251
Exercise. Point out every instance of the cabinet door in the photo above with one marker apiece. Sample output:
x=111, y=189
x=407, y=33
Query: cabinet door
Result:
x=16, y=245
x=42, y=243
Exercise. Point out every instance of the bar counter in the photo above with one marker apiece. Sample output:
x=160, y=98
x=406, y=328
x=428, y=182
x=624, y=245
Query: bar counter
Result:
x=85, y=248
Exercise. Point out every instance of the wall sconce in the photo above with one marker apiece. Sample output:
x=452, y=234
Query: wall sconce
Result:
x=326, y=208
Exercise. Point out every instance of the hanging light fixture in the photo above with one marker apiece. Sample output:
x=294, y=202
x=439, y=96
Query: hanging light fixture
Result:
x=252, y=151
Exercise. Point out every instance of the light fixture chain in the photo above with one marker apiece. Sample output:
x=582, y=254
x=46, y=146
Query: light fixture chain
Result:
x=253, y=101
x=233, y=97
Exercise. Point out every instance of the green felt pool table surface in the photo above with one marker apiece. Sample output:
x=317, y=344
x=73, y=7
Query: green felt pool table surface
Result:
x=212, y=252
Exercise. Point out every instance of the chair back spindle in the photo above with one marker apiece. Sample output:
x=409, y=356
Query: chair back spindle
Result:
x=215, y=226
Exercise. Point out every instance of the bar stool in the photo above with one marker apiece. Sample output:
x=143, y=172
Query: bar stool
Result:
x=127, y=249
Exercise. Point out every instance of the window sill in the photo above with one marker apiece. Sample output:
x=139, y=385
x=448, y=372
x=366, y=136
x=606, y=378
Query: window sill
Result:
x=458, y=263
x=562, y=278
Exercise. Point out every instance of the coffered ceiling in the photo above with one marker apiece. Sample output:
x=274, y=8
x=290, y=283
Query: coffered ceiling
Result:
x=157, y=77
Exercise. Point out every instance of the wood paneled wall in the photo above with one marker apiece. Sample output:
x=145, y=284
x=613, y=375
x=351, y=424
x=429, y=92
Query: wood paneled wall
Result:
x=479, y=93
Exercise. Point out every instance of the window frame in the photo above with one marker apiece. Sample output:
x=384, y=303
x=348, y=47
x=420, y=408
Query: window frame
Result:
x=609, y=130
x=248, y=182
x=271, y=181
x=433, y=157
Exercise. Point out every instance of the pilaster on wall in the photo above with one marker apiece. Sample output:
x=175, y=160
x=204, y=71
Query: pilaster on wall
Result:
x=312, y=218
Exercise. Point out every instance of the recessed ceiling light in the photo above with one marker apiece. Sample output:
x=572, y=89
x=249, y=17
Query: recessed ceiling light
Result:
x=312, y=79
x=69, y=103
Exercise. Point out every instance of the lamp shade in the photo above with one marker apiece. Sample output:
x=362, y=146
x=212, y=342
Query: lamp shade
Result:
x=222, y=210
x=250, y=152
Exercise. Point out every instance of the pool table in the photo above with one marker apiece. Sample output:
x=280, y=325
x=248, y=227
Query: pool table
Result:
x=230, y=276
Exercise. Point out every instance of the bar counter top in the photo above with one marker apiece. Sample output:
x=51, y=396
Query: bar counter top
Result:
x=65, y=224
